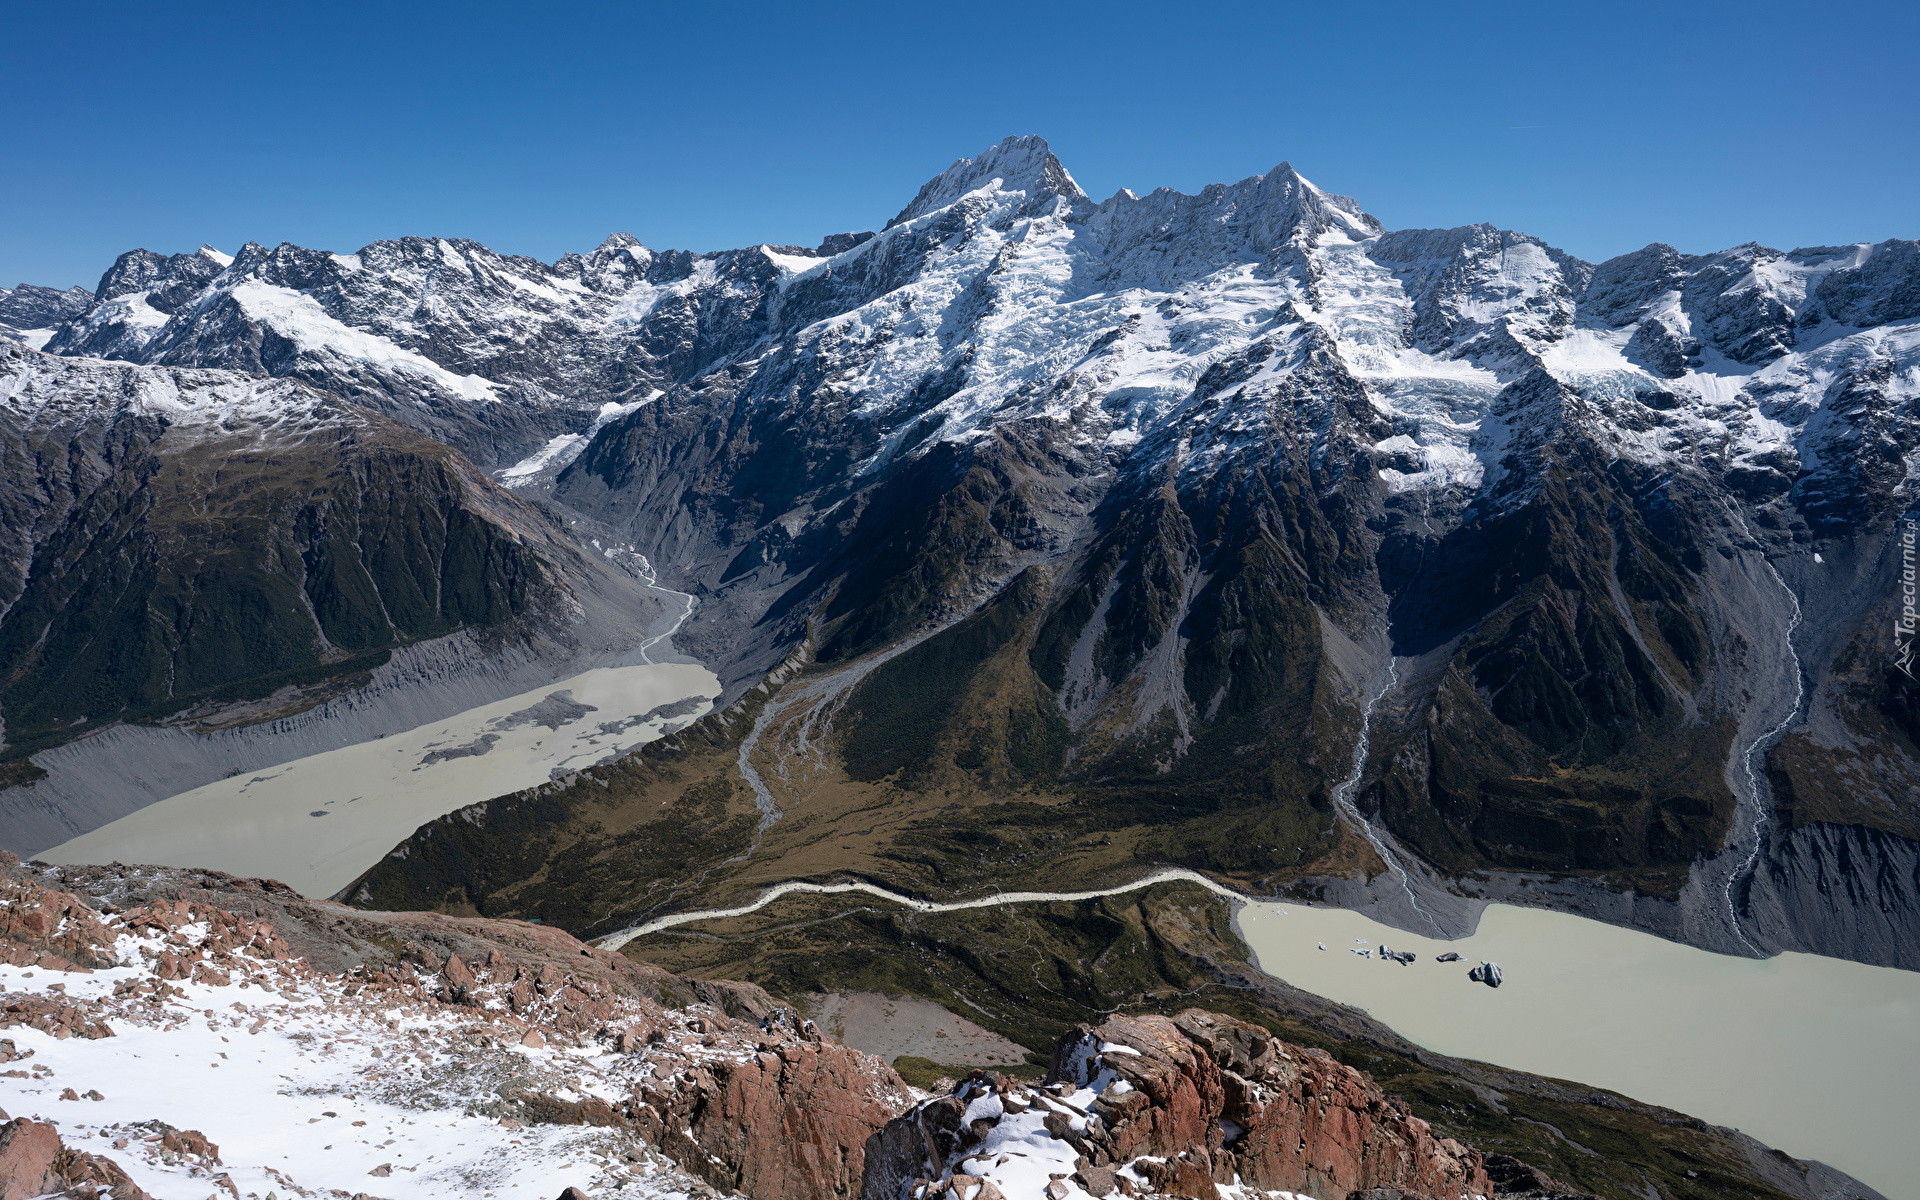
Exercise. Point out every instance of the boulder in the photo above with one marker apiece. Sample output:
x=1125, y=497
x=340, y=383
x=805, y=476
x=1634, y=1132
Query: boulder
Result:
x=34, y=1162
x=27, y=1151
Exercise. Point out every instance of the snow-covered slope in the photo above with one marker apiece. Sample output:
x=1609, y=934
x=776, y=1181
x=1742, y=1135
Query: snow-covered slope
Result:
x=493, y=354
x=225, y=1046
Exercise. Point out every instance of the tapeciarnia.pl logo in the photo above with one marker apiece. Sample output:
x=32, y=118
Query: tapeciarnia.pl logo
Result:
x=1905, y=625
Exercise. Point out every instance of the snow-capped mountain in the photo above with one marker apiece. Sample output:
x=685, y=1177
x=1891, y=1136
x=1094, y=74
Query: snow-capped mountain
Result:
x=495, y=355
x=1594, y=564
x=30, y=313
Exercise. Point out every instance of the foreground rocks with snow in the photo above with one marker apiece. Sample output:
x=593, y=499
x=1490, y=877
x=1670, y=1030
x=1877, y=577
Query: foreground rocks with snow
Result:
x=1196, y=1105
x=176, y=1047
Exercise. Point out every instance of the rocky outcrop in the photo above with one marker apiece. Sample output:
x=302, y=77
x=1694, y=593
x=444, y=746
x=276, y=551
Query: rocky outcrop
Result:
x=34, y=1163
x=1515, y=1180
x=390, y=947
x=758, y=1102
x=792, y=1122
x=41, y=927
x=1170, y=1105
x=776, y=1113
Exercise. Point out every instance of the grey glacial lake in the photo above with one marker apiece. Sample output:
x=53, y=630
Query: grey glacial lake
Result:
x=317, y=823
x=1816, y=1056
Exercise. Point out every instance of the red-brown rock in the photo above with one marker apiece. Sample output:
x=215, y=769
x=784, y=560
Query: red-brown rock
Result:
x=457, y=973
x=34, y=1162
x=51, y=929
x=27, y=1151
x=798, y=1131
x=1308, y=1124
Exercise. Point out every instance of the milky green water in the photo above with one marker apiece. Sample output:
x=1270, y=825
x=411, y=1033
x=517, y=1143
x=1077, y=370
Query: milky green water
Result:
x=318, y=822
x=1815, y=1056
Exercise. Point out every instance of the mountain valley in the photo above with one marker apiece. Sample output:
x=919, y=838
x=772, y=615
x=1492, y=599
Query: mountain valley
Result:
x=1037, y=544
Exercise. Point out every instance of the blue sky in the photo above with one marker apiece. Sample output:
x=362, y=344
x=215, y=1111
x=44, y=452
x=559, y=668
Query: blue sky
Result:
x=538, y=129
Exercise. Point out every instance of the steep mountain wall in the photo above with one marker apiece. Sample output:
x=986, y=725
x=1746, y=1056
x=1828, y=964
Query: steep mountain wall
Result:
x=200, y=552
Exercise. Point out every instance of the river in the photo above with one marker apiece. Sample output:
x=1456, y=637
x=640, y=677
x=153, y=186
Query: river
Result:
x=317, y=823
x=1816, y=1056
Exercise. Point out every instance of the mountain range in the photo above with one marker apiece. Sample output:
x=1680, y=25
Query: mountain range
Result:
x=1036, y=542
x=1166, y=503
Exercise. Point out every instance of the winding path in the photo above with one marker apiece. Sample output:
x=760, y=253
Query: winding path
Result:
x=770, y=813
x=617, y=940
x=822, y=691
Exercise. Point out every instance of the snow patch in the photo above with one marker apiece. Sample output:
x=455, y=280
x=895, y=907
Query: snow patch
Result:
x=300, y=319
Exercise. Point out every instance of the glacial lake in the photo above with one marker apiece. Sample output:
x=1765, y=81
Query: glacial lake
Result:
x=1816, y=1056
x=317, y=823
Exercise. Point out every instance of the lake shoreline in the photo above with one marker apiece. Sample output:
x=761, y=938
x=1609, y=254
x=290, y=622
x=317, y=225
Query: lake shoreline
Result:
x=318, y=822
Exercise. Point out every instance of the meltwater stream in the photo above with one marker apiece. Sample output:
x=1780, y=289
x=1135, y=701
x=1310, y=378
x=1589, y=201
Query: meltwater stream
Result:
x=652, y=581
x=1756, y=746
x=1343, y=796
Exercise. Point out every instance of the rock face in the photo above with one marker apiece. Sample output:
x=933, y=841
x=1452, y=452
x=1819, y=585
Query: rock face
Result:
x=792, y=1123
x=1175, y=1106
x=1848, y=885
x=29, y=310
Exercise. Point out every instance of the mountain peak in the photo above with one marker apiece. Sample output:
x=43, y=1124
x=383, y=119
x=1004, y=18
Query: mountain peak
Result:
x=1020, y=164
x=1332, y=208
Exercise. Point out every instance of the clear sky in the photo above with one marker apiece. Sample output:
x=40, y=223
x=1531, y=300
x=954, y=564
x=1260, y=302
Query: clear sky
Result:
x=540, y=128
